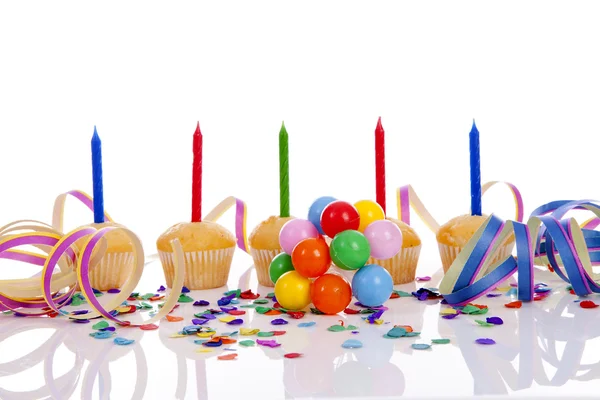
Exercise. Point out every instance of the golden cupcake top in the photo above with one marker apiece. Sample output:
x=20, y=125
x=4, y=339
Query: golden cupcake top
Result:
x=409, y=235
x=266, y=234
x=458, y=231
x=117, y=240
x=196, y=236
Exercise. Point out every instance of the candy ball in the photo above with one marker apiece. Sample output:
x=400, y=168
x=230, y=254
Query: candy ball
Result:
x=292, y=291
x=385, y=239
x=311, y=257
x=372, y=285
x=281, y=264
x=316, y=209
x=350, y=250
x=369, y=211
x=331, y=294
x=339, y=216
x=294, y=231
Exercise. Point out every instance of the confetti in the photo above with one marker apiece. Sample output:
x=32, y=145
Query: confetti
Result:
x=100, y=325
x=273, y=312
x=262, y=310
x=171, y=318
x=514, y=304
x=112, y=291
x=440, y=341
x=448, y=311
x=292, y=355
x=213, y=343
x=204, y=350
x=185, y=290
x=227, y=319
x=231, y=356
x=494, y=320
x=352, y=344
x=450, y=316
x=178, y=335
x=184, y=298
x=296, y=314
x=265, y=334
x=483, y=323
x=268, y=343
x=493, y=295
x=205, y=316
x=351, y=311
x=201, y=303
x=109, y=329
x=148, y=327
x=161, y=289
x=248, y=306
x=485, y=341
x=236, y=312
x=316, y=311
x=588, y=304
x=423, y=278
x=248, y=331
x=260, y=301
x=279, y=333
x=420, y=346
x=79, y=312
x=279, y=321
x=401, y=293
x=122, y=341
x=101, y=335
x=248, y=295
x=306, y=324
x=146, y=306
x=247, y=343
x=205, y=334
x=237, y=321
x=270, y=295
x=77, y=321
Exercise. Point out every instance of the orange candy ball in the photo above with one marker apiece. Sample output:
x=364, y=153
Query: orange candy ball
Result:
x=311, y=257
x=331, y=294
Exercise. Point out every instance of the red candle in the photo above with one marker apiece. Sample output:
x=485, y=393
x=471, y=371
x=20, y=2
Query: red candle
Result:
x=380, y=164
x=197, y=177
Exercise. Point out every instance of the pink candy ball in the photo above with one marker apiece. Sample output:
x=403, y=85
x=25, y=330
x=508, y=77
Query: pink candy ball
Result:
x=294, y=231
x=385, y=239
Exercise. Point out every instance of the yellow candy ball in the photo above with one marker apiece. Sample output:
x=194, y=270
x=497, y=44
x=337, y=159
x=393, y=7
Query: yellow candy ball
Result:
x=369, y=212
x=292, y=291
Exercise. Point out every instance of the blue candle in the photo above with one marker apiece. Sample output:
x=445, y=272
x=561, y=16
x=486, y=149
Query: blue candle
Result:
x=97, y=178
x=475, y=171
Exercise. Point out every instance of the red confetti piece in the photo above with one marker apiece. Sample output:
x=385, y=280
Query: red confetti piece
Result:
x=277, y=305
x=171, y=318
x=53, y=314
x=148, y=327
x=393, y=296
x=588, y=304
x=131, y=310
x=273, y=312
x=480, y=306
x=131, y=299
x=292, y=355
x=248, y=295
x=231, y=356
x=514, y=304
x=351, y=311
x=572, y=291
x=236, y=312
x=550, y=268
x=278, y=333
x=295, y=314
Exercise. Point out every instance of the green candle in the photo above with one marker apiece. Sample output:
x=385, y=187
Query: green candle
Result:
x=284, y=174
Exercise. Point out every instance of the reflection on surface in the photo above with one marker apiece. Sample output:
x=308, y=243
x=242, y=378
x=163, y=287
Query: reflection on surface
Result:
x=541, y=344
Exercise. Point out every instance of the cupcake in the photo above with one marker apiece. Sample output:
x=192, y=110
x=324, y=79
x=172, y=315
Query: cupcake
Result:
x=117, y=263
x=453, y=236
x=403, y=266
x=208, y=251
x=264, y=246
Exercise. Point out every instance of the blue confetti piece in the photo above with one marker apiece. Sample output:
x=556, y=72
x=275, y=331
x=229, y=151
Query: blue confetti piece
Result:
x=200, y=341
x=108, y=329
x=185, y=290
x=213, y=344
x=101, y=335
x=494, y=320
x=352, y=344
x=199, y=321
x=511, y=292
x=235, y=301
x=78, y=321
x=123, y=342
x=161, y=289
x=279, y=321
x=306, y=324
x=493, y=295
x=113, y=291
x=237, y=321
x=420, y=346
x=201, y=303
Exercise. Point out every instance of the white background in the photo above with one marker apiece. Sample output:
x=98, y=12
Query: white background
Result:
x=145, y=72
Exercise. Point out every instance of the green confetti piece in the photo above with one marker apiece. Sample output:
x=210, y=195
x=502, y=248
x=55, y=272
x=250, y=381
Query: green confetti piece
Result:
x=248, y=306
x=469, y=309
x=483, y=323
x=336, y=328
x=147, y=296
x=246, y=343
x=402, y=294
x=367, y=311
x=100, y=325
x=440, y=341
x=261, y=301
x=270, y=295
x=316, y=311
x=397, y=332
x=134, y=294
x=481, y=311
x=389, y=337
x=351, y=328
x=161, y=305
x=184, y=298
x=77, y=302
x=412, y=334
x=420, y=346
x=262, y=310
x=98, y=294
x=265, y=334
x=7, y=312
x=146, y=306
x=237, y=293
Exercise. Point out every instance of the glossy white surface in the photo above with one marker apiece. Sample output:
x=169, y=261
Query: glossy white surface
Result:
x=548, y=348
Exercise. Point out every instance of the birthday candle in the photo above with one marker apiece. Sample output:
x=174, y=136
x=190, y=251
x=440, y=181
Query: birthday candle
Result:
x=284, y=174
x=475, y=171
x=380, y=164
x=97, y=178
x=197, y=177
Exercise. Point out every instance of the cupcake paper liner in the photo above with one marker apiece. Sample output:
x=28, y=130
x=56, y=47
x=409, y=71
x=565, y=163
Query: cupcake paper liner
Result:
x=113, y=271
x=403, y=266
x=262, y=261
x=449, y=253
x=206, y=269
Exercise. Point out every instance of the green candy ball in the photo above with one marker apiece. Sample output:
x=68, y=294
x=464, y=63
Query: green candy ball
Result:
x=281, y=264
x=350, y=250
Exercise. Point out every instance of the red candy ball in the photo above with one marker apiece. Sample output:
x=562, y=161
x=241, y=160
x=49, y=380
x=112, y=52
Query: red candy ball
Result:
x=339, y=216
x=311, y=258
x=331, y=294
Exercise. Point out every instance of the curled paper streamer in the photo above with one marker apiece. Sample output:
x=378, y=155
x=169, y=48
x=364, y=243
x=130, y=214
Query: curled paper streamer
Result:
x=406, y=198
x=568, y=248
x=240, y=219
